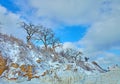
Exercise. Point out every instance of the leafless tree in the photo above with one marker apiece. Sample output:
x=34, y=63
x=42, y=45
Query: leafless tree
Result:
x=30, y=29
x=72, y=54
x=55, y=42
x=41, y=33
x=44, y=35
x=47, y=37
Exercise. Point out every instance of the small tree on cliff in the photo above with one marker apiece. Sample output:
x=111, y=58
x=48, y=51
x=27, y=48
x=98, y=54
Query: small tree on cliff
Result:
x=30, y=29
x=47, y=37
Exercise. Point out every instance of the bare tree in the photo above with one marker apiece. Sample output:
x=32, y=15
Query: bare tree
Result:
x=44, y=35
x=30, y=29
x=72, y=54
x=55, y=42
x=47, y=37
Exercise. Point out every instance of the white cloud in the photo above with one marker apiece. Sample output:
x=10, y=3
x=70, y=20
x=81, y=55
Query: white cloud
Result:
x=69, y=45
x=104, y=34
x=29, y=13
x=103, y=15
x=10, y=23
x=53, y=13
x=68, y=11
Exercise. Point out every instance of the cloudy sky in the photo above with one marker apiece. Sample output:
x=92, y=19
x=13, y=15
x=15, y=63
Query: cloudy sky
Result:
x=91, y=25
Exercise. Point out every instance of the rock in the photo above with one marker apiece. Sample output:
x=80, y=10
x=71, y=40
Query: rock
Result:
x=38, y=61
x=44, y=73
x=36, y=76
x=30, y=72
x=13, y=79
x=15, y=65
x=23, y=68
x=3, y=63
x=68, y=67
x=28, y=69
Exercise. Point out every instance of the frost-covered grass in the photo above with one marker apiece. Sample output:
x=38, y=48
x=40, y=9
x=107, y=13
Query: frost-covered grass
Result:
x=111, y=77
x=69, y=77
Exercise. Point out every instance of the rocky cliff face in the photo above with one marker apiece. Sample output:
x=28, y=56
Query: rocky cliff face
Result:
x=20, y=60
x=17, y=60
x=3, y=63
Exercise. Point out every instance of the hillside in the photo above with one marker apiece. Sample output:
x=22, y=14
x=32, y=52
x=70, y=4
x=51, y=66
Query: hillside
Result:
x=20, y=63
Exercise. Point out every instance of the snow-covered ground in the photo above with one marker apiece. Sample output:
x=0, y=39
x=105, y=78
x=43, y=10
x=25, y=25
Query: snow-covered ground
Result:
x=68, y=77
x=29, y=66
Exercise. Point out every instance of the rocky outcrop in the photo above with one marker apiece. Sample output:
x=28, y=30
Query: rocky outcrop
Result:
x=3, y=64
x=15, y=65
x=31, y=63
x=20, y=58
x=28, y=71
x=15, y=71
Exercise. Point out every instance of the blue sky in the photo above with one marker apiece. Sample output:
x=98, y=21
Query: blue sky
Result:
x=71, y=33
x=96, y=32
x=9, y=5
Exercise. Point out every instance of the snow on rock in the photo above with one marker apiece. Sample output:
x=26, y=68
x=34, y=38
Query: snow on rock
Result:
x=3, y=63
x=20, y=62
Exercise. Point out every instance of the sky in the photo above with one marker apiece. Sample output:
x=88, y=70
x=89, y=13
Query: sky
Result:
x=91, y=25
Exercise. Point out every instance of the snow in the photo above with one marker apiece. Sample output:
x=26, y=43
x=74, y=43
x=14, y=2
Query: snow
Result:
x=69, y=77
x=55, y=72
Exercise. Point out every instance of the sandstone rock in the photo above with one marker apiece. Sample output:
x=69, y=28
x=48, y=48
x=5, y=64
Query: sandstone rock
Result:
x=28, y=69
x=15, y=65
x=23, y=68
x=3, y=63
x=30, y=72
